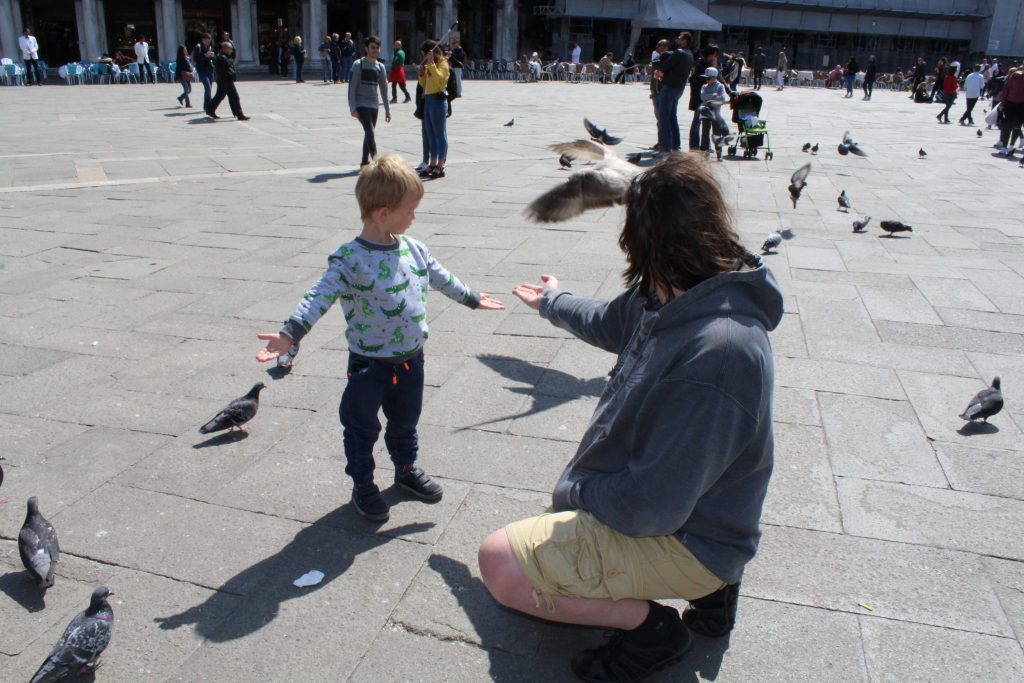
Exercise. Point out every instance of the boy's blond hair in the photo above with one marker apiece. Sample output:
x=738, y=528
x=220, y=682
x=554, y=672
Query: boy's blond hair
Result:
x=385, y=184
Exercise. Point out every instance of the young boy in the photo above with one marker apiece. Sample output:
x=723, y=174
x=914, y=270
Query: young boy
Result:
x=712, y=97
x=381, y=279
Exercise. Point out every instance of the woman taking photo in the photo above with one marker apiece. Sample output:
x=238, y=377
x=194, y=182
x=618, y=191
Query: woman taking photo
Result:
x=433, y=76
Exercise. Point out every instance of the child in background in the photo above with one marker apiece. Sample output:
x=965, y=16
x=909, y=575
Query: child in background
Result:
x=381, y=279
x=712, y=97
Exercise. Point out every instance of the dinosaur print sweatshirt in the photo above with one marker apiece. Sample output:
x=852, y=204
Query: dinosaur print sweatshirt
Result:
x=383, y=292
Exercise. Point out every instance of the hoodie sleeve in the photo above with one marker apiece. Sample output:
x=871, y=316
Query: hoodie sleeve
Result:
x=317, y=301
x=599, y=323
x=672, y=462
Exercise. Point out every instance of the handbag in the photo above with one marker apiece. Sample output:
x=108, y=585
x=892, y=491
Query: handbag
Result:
x=189, y=76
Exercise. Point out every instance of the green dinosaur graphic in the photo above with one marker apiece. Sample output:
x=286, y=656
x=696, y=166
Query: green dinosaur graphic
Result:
x=394, y=312
x=360, y=288
x=383, y=270
x=419, y=317
x=361, y=327
x=419, y=273
x=367, y=311
x=397, y=337
x=350, y=314
x=404, y=251
x=368, y=348
x=398, y=288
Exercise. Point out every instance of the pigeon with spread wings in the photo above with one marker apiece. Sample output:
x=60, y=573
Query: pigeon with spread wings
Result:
x=602, y=185
x=600, y=134
x=797, y=182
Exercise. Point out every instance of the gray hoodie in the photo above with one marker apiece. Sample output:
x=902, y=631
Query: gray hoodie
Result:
x=364, y=82
x=681, y=439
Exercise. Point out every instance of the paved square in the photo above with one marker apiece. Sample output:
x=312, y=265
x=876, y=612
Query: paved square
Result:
x=142, y=247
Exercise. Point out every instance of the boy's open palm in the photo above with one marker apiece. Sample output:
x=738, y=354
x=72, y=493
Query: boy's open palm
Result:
x=277, y=344
x=489, y=303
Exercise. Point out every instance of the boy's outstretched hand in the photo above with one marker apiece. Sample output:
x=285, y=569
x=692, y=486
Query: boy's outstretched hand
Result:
x=532, y=294
x=277, y=344
x=489, y=303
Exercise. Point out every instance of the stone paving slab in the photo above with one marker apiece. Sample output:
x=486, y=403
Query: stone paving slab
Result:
x=205, y=233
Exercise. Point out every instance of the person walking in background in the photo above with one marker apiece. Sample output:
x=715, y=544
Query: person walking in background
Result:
x=660, y=48
x=675, y=67
x=850, y=75
x=185, y=75
x=369, y=78
x=759, y=62
x=950, y=86
x=604, y=65
x=142, y=59
x=202, y=58
x=869, y=77
x=628, y=67
x=941, y=67
x=225, y=67
x=780, y=70
x=433, y=76
x=918, y=76
x=299, y=56
x=457, y=59
x=738, y=64
x=348, y=55
x=1011, y=102
x=577, y=51
x=325, y=59
x=708, y=58
x=973, y=84
x=335, y=50
x=396, y=77
x=30, y=55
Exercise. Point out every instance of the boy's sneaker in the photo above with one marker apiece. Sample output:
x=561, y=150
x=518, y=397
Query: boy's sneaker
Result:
x=284, y=361
x=713, y=615
x=368, y=502
x=417, y=482
x=660, y=641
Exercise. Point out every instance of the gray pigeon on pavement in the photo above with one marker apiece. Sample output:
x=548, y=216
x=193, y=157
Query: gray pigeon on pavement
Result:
x=797, y=181
x=37, y=545
x=564, y=161
x=844, y=201
x=806, y=147
x=2, y=500
x=814, y=150
x=600, y=134
x=921, y=154
x=892, y=227
x=858, y=226
x=985, y=403
x=78, y=651
x=511, y=123
x=237, y=413
x=773, y=241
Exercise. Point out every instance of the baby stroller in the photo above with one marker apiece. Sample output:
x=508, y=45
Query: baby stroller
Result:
x=753, y=130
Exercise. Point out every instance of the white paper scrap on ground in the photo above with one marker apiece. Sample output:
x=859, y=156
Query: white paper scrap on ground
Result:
x=310, y=578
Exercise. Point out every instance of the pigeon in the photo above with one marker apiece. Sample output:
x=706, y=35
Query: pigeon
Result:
x=844, y=202
x=895, y=226
x=921, y=154
x=600, y=134
x=797, y=182
x=985, y=403
x=78, y=651
x=849, y=145
x=511, y=123
x=806, y=147
x=237, y=413
x=979, y=133
x=601, y=186
x=814, y=150
x=38, y=547
x=1021, y=164
x=564, y=161
x=2, y=500
x=773, y=241
x=858, y=226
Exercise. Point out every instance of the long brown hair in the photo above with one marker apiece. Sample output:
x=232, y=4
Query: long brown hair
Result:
x=678, y=229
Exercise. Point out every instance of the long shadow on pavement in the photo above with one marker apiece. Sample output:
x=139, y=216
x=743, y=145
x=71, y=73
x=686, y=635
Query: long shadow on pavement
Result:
x=267, y=584
x=499, y=627
x=324, y=177
x=19, y=587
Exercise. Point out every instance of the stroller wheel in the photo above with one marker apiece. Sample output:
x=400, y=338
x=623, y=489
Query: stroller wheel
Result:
x=768, y=156
x=732, y=151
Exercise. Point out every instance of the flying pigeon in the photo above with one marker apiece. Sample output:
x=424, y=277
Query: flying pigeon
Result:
x=78, y=651
x=895, y=226
x=600, y=134
x=237, y=413
x=603, y=185
x=921, y=154
x=773, y=241
x=858, y=226
x=985, y=403
x=564, y=161
x=979, y=133
x=797, y=182
x=511, y=123
x=849, y=145
x=844, y=202
x=38, y=547
x=814, y=150
x=806, y=147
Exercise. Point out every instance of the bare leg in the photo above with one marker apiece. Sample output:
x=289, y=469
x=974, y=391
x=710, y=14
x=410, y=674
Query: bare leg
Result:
x=508, y=584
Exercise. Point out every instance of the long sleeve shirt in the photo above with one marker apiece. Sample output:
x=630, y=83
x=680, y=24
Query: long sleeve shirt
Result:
x=29, y=47
x=1013, y=89
x=225, y=69
x=434, y=78
x=368, y=78
x=382, y=289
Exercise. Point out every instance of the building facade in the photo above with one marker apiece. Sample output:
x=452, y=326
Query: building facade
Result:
x=814, y=33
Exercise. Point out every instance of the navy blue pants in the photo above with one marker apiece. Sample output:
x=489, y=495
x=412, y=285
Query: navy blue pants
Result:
x=372, y=385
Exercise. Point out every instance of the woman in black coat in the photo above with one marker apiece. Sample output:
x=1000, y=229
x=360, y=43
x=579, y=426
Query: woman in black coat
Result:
x=869, y=77
x=183, y=72
x=299, y=55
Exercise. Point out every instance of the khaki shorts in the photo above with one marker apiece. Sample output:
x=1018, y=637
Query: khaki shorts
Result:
x=573, y=554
